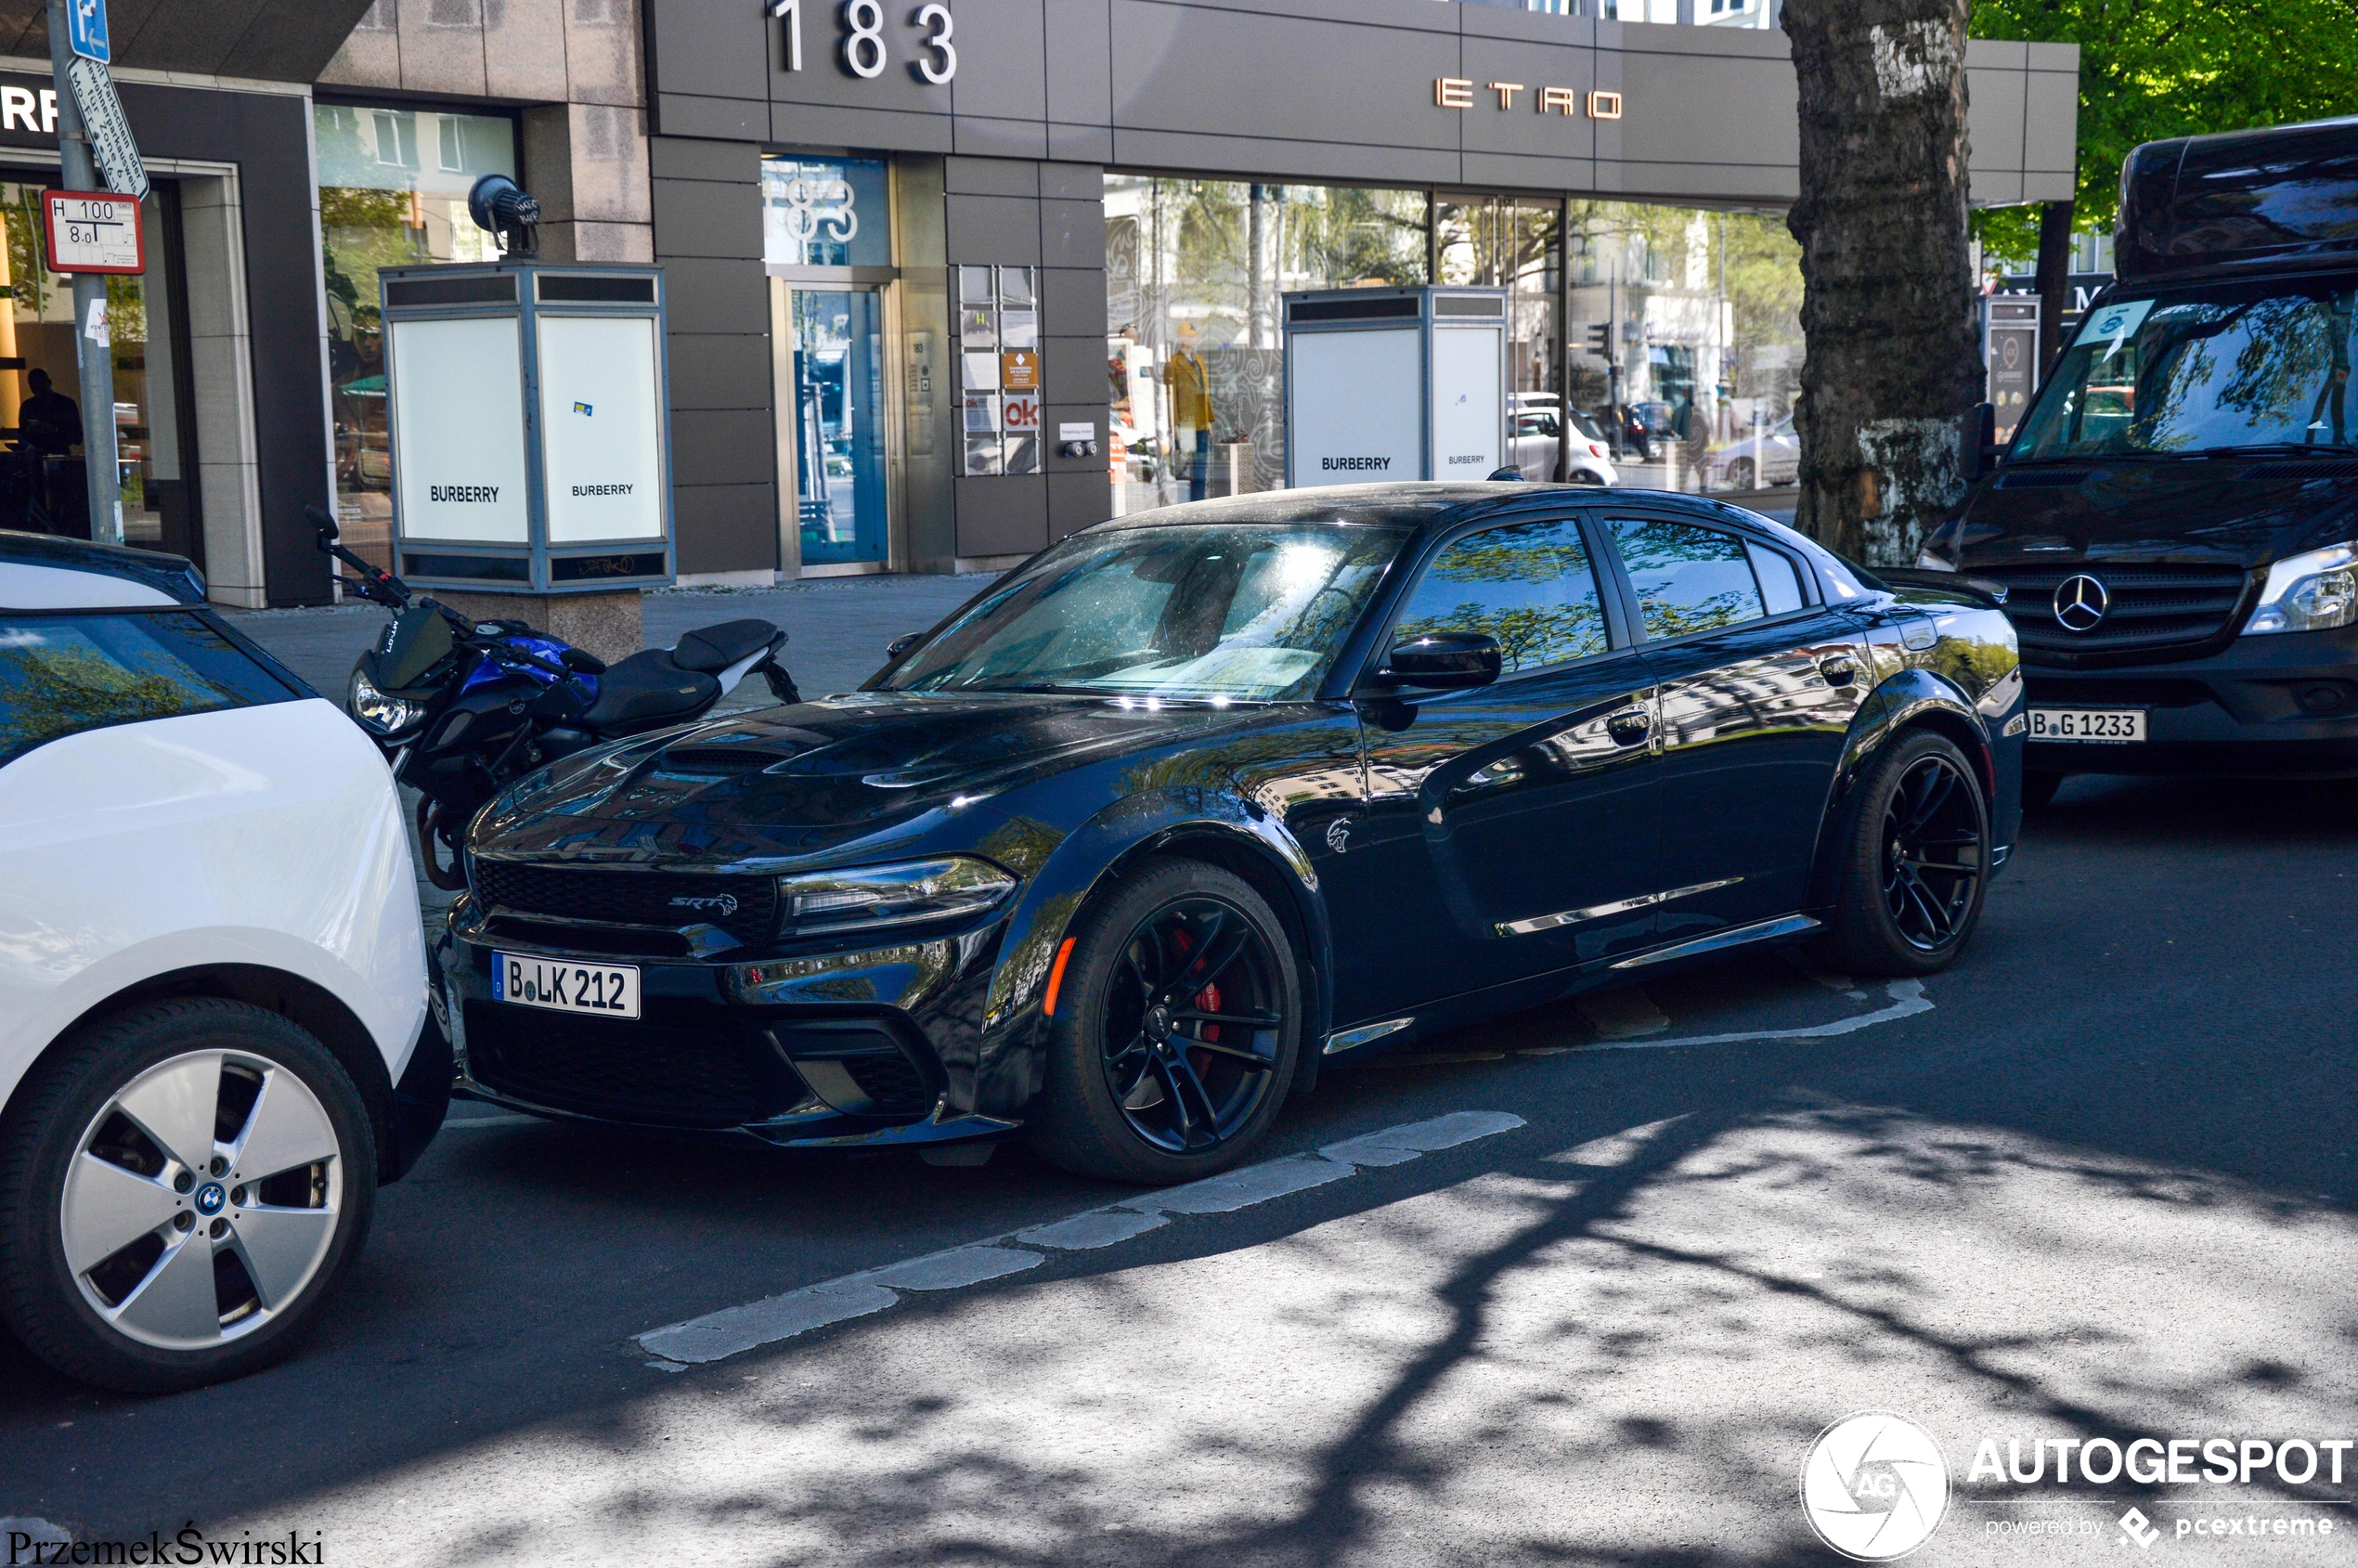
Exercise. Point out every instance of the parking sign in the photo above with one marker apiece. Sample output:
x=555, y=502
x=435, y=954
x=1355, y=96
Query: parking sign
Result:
x=86, y=29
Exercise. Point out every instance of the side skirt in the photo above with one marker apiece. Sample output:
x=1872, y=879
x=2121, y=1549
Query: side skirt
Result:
x=1762, y=931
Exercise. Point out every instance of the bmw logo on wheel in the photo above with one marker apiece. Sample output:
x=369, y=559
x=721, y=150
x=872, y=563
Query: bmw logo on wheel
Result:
x=2081, y=603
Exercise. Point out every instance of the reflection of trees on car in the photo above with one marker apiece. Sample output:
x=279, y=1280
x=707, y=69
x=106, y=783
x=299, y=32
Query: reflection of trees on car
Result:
x=1534, y=631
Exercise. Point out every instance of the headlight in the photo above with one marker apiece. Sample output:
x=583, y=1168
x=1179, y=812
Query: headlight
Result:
x=379, y=714
x=2312, y=592
x=876, y=898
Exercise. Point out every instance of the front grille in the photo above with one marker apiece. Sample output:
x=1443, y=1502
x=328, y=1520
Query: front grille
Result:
x=2050, y=690
x=2153, y=607
x=652, y=1073
x=746, y=909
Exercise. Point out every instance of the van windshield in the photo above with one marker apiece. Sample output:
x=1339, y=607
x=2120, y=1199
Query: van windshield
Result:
x=2211, y=369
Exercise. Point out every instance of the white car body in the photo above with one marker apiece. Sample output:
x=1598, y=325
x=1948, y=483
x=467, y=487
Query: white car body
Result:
x=266, y=838
x=1772, y=458
x=1538, y=420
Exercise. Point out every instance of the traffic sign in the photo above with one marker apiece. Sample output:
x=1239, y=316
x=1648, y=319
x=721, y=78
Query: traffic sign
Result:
x=111, y=143
x=86, y=29
x=93, y=231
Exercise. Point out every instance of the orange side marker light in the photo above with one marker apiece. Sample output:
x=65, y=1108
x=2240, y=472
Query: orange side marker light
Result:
x=1057, y=977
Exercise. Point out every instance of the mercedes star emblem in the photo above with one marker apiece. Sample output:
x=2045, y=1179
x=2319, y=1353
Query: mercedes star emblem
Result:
x=2081, y=603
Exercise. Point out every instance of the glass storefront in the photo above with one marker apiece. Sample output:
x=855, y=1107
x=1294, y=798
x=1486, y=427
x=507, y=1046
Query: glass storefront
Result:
x=1681, y=353
x=393, y=192
x=43, y=487
x=1194, y=272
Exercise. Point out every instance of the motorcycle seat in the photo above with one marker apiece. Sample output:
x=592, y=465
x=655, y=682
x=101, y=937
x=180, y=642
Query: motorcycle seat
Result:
x=647, y=689
x=712, y=649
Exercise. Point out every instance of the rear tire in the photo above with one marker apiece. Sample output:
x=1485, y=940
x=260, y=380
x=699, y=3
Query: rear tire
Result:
x=2039, y=786
x=1914, y=863
x=125, y=1152
x=1142, y=1085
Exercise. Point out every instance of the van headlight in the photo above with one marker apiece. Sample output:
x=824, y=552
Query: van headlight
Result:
x=380, y=715
x=2313, y=592
x=879, y=897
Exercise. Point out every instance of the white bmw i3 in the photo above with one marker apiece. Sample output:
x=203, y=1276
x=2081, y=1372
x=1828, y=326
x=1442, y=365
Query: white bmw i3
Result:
x=215, y=1042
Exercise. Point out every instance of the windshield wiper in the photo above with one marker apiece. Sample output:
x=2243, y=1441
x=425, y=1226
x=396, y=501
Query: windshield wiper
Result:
x=2275, y=450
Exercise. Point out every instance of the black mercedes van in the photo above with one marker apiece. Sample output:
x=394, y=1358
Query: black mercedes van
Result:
x=2176, y=521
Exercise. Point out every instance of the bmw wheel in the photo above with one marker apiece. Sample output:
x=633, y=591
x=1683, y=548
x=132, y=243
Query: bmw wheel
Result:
x=177, y=1190
x=1915, y=863
x=1176, y=1030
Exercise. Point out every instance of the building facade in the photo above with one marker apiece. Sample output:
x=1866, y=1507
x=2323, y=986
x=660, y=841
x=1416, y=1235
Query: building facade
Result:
x=945, y=282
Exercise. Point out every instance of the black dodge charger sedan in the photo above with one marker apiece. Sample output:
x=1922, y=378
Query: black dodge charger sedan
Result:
x=1193, y=802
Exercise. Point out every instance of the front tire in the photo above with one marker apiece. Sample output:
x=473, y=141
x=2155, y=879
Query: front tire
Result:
x=1178, y=1025
x=179, y=1189
x=1915, y=863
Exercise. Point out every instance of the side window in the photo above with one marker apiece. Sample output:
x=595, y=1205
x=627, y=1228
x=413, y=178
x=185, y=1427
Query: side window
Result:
x=1687, y=580
x=1780, y=583
x=62, y=674
x=1528, y=585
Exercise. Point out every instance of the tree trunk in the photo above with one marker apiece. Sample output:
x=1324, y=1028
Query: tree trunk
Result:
x=2054, y=279
x=1887, y=302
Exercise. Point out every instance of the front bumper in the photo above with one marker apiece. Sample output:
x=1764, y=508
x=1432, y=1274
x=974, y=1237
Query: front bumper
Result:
x=2280, y=706
x=873, y=1048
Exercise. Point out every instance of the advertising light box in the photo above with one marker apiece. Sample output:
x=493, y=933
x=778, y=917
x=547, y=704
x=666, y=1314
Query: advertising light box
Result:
x=529, y=414
x=1390, y=384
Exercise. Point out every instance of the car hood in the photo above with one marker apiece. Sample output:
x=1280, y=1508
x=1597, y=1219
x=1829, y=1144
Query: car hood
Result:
x=817, y=777
x=2197, y=511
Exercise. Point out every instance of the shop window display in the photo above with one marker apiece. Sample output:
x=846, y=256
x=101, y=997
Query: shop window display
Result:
x=393, y=192
x=1195, y=270
x=43, y=486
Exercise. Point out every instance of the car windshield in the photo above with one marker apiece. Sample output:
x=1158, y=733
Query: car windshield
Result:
x=1243, y=611
x=2220, y=368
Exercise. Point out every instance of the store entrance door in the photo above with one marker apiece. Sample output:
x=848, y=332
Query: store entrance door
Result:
x=835, y=404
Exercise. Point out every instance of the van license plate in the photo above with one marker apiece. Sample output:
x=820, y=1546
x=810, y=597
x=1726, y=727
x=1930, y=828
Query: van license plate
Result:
x=2113, y=726
x=603, y=991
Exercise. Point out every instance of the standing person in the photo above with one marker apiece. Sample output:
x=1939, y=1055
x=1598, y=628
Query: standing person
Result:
x=1190, y=385
x=49, y=420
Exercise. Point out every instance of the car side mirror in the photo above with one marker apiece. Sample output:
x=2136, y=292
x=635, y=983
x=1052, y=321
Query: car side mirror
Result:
x=901, y=645
x=1443, y=661
x=1978, y=443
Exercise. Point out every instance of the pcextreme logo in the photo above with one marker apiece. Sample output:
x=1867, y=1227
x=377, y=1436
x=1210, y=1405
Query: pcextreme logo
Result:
x=1874, y=1486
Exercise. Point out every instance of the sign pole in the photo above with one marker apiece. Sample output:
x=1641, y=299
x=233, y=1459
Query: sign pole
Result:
x=93, y=339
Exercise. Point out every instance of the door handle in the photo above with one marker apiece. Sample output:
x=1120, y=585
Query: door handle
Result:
x=1839, y=670
x=1630, y=726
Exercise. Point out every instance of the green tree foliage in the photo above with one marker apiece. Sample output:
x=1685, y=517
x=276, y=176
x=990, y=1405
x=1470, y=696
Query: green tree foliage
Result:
x=2155, y=69
x=48, y=691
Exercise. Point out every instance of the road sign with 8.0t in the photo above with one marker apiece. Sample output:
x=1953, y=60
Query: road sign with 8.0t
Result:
x=93, y=231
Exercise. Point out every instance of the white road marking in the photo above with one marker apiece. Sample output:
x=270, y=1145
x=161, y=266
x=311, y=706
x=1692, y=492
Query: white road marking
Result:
x=1908, y=999
x=717, y=1335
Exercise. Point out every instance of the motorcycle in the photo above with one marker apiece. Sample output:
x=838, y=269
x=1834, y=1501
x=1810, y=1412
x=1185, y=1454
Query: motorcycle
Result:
x=463, y=709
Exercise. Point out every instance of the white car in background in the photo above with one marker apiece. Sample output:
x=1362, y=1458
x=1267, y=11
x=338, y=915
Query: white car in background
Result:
x=1539, y=421
x=1759, y=462
x=215, y=1042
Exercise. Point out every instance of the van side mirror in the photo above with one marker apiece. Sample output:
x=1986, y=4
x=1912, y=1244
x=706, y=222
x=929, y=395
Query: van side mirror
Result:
x=1443, y=661
x=1977, y=442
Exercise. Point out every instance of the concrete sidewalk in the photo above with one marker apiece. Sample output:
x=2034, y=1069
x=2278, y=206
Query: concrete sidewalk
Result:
x=837, y=627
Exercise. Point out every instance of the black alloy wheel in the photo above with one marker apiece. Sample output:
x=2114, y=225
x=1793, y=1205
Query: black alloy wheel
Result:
x=1933, y=846
x=1178, y=1024
x=1916, y=863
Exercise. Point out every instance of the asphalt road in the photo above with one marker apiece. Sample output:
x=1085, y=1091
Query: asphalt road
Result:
x=2098, y=1180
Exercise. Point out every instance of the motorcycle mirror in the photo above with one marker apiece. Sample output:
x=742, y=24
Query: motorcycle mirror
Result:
x=901, y=645
x=325, y=523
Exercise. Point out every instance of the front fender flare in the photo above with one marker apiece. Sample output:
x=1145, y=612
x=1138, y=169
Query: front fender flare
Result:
x=1075, y=870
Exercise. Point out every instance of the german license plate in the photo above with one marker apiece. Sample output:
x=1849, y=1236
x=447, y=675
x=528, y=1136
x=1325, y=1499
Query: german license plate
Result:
x=603, y=991
x=2104, y=725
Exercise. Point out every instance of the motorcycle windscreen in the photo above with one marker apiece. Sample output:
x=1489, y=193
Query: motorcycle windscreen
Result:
x=414, y=643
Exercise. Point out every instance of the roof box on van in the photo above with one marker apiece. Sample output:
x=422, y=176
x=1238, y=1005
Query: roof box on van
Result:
x=2286, y=196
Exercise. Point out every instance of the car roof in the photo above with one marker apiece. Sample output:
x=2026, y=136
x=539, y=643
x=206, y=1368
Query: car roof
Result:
x=43, y=572
x=1424, y=506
